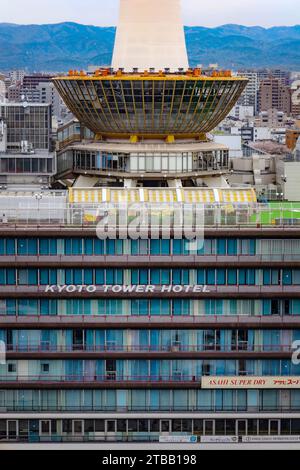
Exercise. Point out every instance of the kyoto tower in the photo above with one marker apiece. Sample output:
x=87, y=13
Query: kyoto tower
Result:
x=150, y=112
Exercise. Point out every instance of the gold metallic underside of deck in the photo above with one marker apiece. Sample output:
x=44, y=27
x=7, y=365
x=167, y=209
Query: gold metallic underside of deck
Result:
x=150, y=106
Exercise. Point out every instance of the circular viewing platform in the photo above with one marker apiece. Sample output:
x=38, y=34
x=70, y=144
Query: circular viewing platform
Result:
x=115, y=104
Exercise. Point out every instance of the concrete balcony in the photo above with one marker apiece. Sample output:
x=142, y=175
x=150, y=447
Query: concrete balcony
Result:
x=146, y=261
x=152, y=322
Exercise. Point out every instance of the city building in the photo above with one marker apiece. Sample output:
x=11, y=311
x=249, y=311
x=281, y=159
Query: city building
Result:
x=273, y=94
x=14, y=92
x=36, y=88
x=249, y=96
x=242, y=113
x=136, y=339
x=232, y=141
x=284, y=76
x=292, y=135
x=2, y=88
x=40, y=89
x=16, y=76
x=295, y=88
x=26, y=155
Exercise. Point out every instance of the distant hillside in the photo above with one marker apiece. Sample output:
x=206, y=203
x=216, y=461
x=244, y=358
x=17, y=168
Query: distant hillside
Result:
x=60, y=47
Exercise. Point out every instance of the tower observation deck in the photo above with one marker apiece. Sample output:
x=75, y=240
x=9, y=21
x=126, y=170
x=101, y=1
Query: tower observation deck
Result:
x=150, y=93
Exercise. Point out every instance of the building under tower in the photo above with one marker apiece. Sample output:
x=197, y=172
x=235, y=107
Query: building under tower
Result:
x=122, y=339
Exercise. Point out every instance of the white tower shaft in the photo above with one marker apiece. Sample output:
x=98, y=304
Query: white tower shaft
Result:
x=150, y=34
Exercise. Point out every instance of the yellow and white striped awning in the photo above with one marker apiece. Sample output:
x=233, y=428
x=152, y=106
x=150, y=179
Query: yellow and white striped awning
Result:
x=162, y=195
x=237, y=196
x=87, y=195
x=202, y=196
x=130, y=196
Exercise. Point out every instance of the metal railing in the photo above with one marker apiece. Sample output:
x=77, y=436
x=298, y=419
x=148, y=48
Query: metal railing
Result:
x=184, y=348
x=101, y=437
x=114, y=377
x=209, y=258
x=209, y=318
x=45, y=212
x=163, y=409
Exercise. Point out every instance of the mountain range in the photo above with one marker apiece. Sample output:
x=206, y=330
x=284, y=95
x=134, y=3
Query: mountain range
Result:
x=64, y=46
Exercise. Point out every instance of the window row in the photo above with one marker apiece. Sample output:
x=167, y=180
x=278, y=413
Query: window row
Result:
x=149, y=340
x=142, y=370
x=94, y=246
x=149, y=400
x=232, y=277
x=144, y=429
x=148, y=307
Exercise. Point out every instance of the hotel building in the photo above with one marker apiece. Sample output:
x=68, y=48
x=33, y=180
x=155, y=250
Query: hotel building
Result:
x=123, y=339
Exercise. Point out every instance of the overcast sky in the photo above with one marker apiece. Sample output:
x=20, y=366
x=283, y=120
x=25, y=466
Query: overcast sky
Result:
x=196, y=12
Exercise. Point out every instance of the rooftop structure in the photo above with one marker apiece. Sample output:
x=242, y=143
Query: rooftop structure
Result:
x=150, y=92
x=150, y=105
x=26, y=153
x=149, y=113
x=112, y=337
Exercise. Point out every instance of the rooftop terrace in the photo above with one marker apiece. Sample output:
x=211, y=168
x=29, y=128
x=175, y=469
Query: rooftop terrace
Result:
x=88, y=207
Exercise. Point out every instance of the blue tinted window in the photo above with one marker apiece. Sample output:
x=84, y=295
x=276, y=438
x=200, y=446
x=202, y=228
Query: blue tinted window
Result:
x=69, y=276
x=11, y=276
x=2, y=276
x=88, y=276
x=68, y=247
x=27, y=246
x=165, y=276
x=177, y=247
x=165, y=247
x=44, y=276
x=266, y=307
x=32, y=276
x=221, y=277
x=144, y=276
x=10, y=246
x=52, y=276
x=45, y=308
x=211, y=277
x=201, y=276
x=110, y=276
x=118, y=276
x=155, y=276
x=98, y=247
x=221, y=246
x=110, y=247
x=134, y=247
x=232, y=246
x=77, y=246
x=88, y=246
x=11, y=307
x=135, y=276
x=100, y=276
x=176, y=276
x=155, y=247
x=267, y=277
x=78, y=276
x=48, y=246
x=232, y=277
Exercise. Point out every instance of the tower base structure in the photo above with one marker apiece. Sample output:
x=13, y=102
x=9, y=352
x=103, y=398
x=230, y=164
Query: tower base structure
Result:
x=143, y=163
